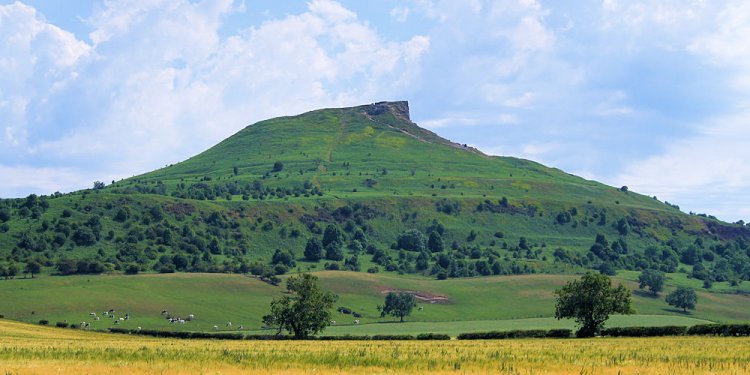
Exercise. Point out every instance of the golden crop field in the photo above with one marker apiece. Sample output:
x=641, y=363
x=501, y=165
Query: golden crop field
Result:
x=29, y=349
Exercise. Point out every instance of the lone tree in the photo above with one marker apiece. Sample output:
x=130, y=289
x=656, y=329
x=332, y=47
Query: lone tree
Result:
x=398, y=305
x=33, y=267
x=652, y=279
x=682, y=297
x=590, y=301
x=305, y=312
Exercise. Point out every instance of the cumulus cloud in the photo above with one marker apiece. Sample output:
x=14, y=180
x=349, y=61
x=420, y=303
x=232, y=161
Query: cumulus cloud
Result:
x=36, y=59
x=159, y=83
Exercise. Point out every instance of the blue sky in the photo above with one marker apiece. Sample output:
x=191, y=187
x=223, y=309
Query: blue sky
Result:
x=654, y=94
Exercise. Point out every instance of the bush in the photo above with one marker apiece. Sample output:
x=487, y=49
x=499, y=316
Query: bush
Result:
x=61, y=325
x=720, y=329
x=393, y=337
x=562, y=333
x=515, y=334
x=44, y=322
x=433, y=336
x=644, y=331
x=132, y=269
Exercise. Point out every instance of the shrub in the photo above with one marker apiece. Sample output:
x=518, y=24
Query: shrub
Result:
x=515, y=334
x=61, y=324
x=644, y=331
x=433, y=336
x=562, y=333
x=44, y=322
x=393, y=337
x=720, y=329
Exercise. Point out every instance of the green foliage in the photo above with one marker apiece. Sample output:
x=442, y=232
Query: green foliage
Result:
x=683, y=298
x=305, y=312
x=398, y=305
x=314, y=250
x=590, y=301
x=412, y=240
x=653, y=280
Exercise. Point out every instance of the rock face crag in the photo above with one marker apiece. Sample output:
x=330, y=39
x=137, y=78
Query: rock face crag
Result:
x=399, y=109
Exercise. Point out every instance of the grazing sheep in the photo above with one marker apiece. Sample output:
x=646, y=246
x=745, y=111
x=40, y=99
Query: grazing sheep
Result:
x=164, y=312
x=139, y=328
x=242, y=327
x=106, y=313
x=216, y=328
x=181, y=321
x=333, y=322
x=356, y=321
x=96, y=318
x=117, y=322
x=92, y=314
x=229, y=324
x=190, y=317
x=122, y=319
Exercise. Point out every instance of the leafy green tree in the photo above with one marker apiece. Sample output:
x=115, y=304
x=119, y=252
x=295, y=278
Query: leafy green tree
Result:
x=435, y=242
x=283, y=257
x=653, y=280
x=411, y=239
x=590, y=301
x=332, y=235
x=398, y=305
x=683, y=298
x=277, y=166
x=4, y=214
x=334, y=252
x=32, y=267
x=305, y=311
x=313, y=250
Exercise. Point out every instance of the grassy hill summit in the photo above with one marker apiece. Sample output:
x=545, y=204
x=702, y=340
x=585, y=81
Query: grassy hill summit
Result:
x=362, y=189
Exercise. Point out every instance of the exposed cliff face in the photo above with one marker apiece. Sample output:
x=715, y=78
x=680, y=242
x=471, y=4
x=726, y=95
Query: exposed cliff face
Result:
x=399, y=109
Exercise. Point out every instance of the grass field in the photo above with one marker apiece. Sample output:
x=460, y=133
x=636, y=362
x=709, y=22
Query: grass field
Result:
x=462, y=305
x=30, y=349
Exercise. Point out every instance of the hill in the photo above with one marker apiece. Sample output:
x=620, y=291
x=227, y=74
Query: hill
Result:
x=364, y=189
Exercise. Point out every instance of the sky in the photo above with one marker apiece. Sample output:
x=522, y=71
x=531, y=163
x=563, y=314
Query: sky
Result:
x=654, y=95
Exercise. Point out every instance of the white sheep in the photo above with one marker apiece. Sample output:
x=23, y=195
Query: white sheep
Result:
x=333, y=322
x=356, y=321
x=216, y=328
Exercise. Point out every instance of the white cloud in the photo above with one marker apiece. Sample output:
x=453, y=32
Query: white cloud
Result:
x=709, y=172
x=160, y=84
x=35, y=58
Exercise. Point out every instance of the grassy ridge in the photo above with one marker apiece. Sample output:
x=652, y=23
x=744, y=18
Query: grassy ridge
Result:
x=39, y=350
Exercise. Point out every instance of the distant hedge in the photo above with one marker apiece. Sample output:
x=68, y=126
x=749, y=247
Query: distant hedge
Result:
x=432, y=336
x=644, y=331
x=516, y=334
x=704, y=329
x=720, y=329
x=707, y=329
x=240, y=336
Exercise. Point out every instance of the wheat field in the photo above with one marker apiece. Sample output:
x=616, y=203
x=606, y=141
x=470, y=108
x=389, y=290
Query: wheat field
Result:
x=31, y=349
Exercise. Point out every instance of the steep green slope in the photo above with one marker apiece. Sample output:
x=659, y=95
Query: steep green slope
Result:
x=380, y=193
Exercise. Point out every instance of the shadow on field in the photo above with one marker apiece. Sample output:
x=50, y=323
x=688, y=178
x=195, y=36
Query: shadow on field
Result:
x=678, y=311
x=645, y=294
